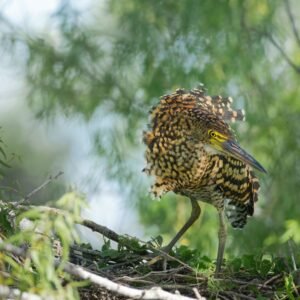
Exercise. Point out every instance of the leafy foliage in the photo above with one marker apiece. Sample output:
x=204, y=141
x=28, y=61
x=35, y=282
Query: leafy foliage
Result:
x=38, y=272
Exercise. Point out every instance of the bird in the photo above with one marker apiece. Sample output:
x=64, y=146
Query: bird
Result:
x=192, y=150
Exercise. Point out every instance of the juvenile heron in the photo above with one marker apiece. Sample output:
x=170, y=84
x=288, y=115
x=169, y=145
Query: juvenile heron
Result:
x=192, y=151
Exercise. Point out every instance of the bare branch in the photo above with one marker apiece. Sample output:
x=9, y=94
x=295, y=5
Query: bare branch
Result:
x=283, y=53
x=272, y=279
x=235, y=295
x=101, y=229
x=292, y=20
x=10, y=293
x=197, y=294
x=42, y=186
x=13, y=249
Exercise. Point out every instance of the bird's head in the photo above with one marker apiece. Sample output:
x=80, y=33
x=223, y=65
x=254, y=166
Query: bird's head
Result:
x=224, y=142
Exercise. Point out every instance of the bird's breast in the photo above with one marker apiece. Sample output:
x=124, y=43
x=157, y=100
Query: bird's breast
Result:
x=175, y=163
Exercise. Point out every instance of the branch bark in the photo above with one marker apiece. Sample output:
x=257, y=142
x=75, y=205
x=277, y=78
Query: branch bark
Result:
x=110, y=234
x=42, y=186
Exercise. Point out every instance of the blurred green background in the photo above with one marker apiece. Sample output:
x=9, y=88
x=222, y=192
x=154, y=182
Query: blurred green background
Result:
x=78, y=81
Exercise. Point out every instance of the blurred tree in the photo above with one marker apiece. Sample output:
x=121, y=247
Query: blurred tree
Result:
x=118, y=62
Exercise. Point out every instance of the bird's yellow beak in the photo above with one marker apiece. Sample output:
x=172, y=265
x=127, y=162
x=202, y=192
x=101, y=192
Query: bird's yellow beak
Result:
x=232, y=148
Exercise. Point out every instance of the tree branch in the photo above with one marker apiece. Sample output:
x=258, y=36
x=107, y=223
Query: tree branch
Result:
x=42, y=186
x=283, y=53
x=110, y=234
x=17, y=251
x=292, y=21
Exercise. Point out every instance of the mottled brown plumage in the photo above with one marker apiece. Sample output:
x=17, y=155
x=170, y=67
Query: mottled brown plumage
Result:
x=192, y=151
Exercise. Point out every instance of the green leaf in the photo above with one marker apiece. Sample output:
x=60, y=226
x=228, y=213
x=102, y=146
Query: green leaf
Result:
x=280, y=264
x=265, y=267
x=249, y=262
x=235, y=264
x=4, y=164
x=2, y=152
x=289, y=286
x=5, y=224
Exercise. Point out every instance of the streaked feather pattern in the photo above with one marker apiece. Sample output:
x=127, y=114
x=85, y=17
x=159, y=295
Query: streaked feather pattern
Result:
x=178, y=157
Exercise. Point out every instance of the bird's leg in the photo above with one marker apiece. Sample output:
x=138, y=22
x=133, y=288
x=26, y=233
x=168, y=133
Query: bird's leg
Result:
x=222, y=239
x=196, y=210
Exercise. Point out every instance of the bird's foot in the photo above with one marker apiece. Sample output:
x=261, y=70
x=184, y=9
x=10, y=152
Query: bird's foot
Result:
x=161, y=254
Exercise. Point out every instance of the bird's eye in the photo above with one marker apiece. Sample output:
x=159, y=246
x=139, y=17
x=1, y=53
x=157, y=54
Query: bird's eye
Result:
x=212, y=134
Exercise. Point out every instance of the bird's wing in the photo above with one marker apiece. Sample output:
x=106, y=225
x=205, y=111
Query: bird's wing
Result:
x=239, y=186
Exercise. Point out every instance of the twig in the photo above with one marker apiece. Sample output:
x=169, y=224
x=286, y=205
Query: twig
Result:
x=283, y=53
x=292, y=21
x=164, y=254
x=165, y=273
x=101, y=229
x=10, y=293
x=13, y=250
x=43, y=185
x=153, y=293
x=134, y=279
x=237, y=295
x=245, y=283
x=272, y=279
x=197, y=294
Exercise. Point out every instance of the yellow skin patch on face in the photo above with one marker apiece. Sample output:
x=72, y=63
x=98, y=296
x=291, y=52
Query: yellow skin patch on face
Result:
x=216, y=139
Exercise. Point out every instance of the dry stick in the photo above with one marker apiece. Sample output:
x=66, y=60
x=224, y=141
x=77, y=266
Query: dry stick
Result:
x=246, y=283
x=164, y=254
x=43, y=185
x=197, y=294
x=266, y=283
x=165, y=273
x=237, y=295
